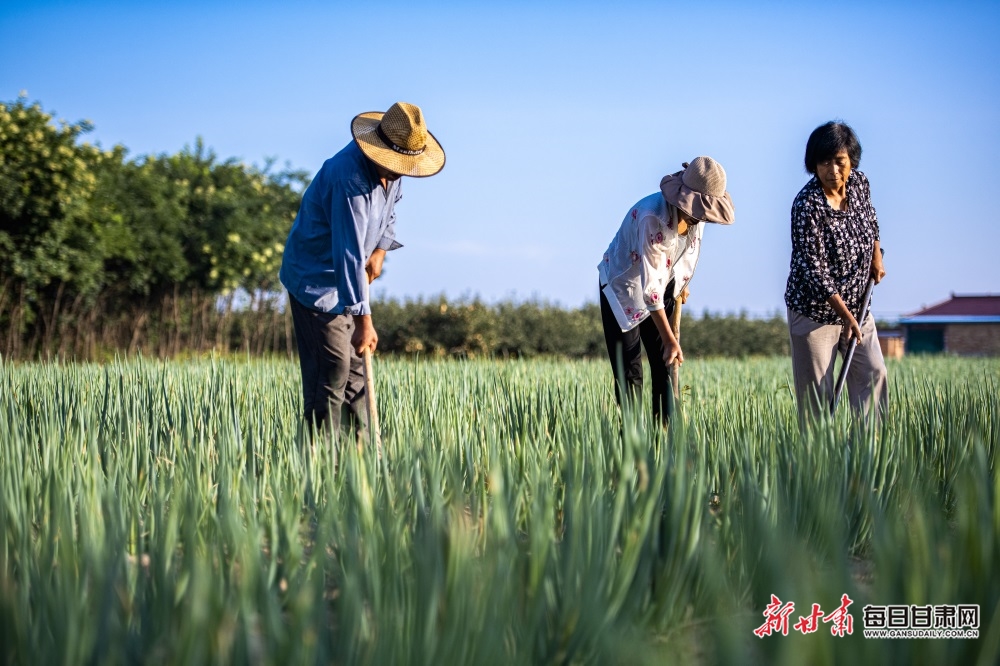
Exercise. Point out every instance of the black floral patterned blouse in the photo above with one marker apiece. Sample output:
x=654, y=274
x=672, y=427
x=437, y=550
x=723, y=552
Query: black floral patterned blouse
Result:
x=831, y=249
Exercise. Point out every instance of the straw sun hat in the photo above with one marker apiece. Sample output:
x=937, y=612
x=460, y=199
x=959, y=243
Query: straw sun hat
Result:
x=700, y=191
x=398, y=140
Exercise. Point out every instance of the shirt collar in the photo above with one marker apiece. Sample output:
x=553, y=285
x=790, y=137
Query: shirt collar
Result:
x=819, y=196
x=373, y=177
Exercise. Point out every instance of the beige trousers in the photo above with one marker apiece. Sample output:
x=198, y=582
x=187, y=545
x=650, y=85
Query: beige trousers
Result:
x=814, y=350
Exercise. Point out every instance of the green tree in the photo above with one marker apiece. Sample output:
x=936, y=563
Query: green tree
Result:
x=142, y=228
x=93, y=237
x=189, y=222
x=47, y=240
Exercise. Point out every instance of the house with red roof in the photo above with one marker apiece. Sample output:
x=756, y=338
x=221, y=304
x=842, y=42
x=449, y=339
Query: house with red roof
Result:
x=965, y=325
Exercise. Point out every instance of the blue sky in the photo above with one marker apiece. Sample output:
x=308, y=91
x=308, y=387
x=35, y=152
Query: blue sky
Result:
x=557, y=116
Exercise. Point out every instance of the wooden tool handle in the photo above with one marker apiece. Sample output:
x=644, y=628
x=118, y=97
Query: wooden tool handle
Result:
x=675, y=326
x=675, y=319
x=371, y=405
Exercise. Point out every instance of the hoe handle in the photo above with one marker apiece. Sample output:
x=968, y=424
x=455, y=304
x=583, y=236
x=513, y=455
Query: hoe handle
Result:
x=866, y=304
x=371, y=405
x=675, y=326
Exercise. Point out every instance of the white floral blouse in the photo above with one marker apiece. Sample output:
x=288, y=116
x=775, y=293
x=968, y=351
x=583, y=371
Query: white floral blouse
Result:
x=645, y=255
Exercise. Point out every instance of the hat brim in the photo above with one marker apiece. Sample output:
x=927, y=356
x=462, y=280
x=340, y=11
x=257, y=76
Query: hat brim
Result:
x=719, y=210
x=427, y=163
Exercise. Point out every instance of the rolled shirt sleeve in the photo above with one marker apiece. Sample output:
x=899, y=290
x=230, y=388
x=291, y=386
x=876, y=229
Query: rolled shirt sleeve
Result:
x=349, y=222
x=388, y=243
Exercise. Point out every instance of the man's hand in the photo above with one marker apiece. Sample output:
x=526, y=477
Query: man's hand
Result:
x=364, y=336
x=374, y=265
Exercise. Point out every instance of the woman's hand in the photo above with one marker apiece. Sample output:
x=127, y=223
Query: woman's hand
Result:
x=671, y=347
x=672, y=352
x=684, y=295
x=878, y=268
x=852, y=328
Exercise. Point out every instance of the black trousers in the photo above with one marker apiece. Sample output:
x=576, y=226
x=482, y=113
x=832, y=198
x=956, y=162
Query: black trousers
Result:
x=625, y=354
x=333, y=381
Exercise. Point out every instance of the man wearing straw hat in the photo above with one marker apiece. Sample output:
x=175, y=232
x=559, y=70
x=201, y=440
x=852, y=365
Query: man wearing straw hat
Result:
x=345, y=225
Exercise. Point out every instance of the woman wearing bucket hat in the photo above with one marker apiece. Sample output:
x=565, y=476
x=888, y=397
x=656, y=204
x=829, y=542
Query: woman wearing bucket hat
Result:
x=648, y=264
x=835, y=250
x=345, y=225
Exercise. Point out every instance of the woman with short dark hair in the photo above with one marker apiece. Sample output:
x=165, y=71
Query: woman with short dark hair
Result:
x=835, y=249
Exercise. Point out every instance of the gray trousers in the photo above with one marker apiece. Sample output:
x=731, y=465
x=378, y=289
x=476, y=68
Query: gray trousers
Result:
x=333, y=381
x=814, y=350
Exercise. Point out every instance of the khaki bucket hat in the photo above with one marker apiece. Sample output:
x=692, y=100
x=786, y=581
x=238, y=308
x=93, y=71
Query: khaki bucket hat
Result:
x=700, y=191
x=398, y=140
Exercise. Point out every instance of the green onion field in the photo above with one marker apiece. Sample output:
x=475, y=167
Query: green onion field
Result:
x=177, y=513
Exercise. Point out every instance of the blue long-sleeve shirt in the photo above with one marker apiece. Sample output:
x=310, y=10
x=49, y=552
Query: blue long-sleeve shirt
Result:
x=344, y=216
